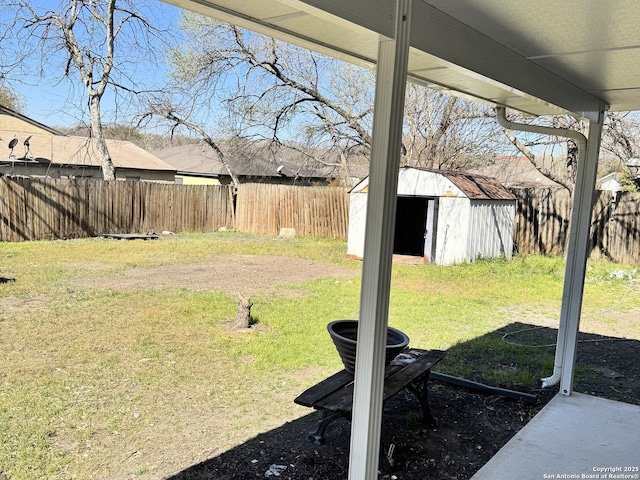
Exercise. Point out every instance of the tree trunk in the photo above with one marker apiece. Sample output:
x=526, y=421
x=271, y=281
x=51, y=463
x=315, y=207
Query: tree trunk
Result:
x=346, y=174
x=243, y=317
x=97, y=135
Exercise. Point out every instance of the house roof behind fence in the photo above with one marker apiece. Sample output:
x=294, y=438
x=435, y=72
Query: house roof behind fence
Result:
x=201, y=159
x=514, y=171
x=75, y=151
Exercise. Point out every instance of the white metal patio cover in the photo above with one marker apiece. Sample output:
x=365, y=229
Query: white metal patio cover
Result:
x=542, y=57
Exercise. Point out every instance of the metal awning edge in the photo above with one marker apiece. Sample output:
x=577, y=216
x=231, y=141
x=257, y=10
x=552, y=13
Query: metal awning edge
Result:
x=434, y=34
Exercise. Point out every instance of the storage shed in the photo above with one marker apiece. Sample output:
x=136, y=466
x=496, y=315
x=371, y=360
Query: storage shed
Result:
x=444, y=216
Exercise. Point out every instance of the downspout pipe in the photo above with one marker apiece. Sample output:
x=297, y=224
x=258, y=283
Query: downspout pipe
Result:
x=581, y=142
x=580, y=139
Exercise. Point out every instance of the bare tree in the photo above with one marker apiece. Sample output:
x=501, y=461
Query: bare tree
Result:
x=180, y=114
x=326, y=136
x=621, y=135
x=96, y=39
x=270, y=90
x=446, y=132
x=557, y=157
x=319, y=106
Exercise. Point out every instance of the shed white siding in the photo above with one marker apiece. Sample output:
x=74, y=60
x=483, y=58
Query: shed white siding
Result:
x=357, y=221
x=490, y=229
x=423, y=183
x=452, y=230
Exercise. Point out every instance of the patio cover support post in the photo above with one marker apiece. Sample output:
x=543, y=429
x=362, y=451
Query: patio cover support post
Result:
x=578, y=244
x=577, y=254
x=391, y=78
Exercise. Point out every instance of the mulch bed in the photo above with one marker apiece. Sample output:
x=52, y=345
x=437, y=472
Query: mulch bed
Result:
x=472, y=428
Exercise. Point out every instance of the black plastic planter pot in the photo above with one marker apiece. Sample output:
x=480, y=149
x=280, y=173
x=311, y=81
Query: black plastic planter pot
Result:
x=344, y=334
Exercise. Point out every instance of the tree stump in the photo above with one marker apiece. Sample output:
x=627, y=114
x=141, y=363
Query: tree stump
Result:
x=243, y=316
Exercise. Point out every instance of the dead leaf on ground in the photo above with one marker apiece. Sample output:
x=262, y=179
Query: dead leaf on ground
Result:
x=608, y=373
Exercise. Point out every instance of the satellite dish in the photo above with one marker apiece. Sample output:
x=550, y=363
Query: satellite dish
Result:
x=279, y=170
x=12, y=145
x=27, y=146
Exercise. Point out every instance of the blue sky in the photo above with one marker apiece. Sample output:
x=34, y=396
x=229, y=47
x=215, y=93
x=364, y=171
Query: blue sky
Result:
x=57, y=102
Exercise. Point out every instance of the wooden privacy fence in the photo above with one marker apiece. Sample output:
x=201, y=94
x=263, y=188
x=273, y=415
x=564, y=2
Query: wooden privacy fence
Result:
x=615, y=228
x=542, y=224
x=542, y=220
x=45, y=208
x=312, y=211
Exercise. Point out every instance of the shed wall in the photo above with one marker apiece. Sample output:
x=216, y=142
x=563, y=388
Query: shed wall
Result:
x=452, y=228
x=420, y=183
x=357, y=221
x=490, y=232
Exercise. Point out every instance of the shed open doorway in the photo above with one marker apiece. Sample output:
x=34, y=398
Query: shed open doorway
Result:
x=415, y=228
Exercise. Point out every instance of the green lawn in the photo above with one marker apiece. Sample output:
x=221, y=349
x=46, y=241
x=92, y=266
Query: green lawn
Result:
x=141, y=382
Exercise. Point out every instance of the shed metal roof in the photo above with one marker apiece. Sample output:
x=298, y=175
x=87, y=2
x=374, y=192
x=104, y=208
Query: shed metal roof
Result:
x=477, y=187
x=474, y=187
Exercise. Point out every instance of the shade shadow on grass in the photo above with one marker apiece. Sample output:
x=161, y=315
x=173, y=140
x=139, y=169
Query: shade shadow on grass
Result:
x=472, y=428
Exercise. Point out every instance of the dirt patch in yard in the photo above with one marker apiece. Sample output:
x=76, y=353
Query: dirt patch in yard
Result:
x=11, y=304
x=246, y=274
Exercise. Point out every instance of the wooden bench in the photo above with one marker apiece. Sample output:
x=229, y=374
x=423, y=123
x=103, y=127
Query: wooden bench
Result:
x=334, y=395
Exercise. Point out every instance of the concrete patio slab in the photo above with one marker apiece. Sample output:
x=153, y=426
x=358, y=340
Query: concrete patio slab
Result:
x=579, y=436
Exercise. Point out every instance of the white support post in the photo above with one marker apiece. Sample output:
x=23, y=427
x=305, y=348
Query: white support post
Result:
x=391, y=80
x=577, y=254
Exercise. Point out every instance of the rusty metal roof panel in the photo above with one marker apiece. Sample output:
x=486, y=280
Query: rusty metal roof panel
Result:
x=477, y=187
